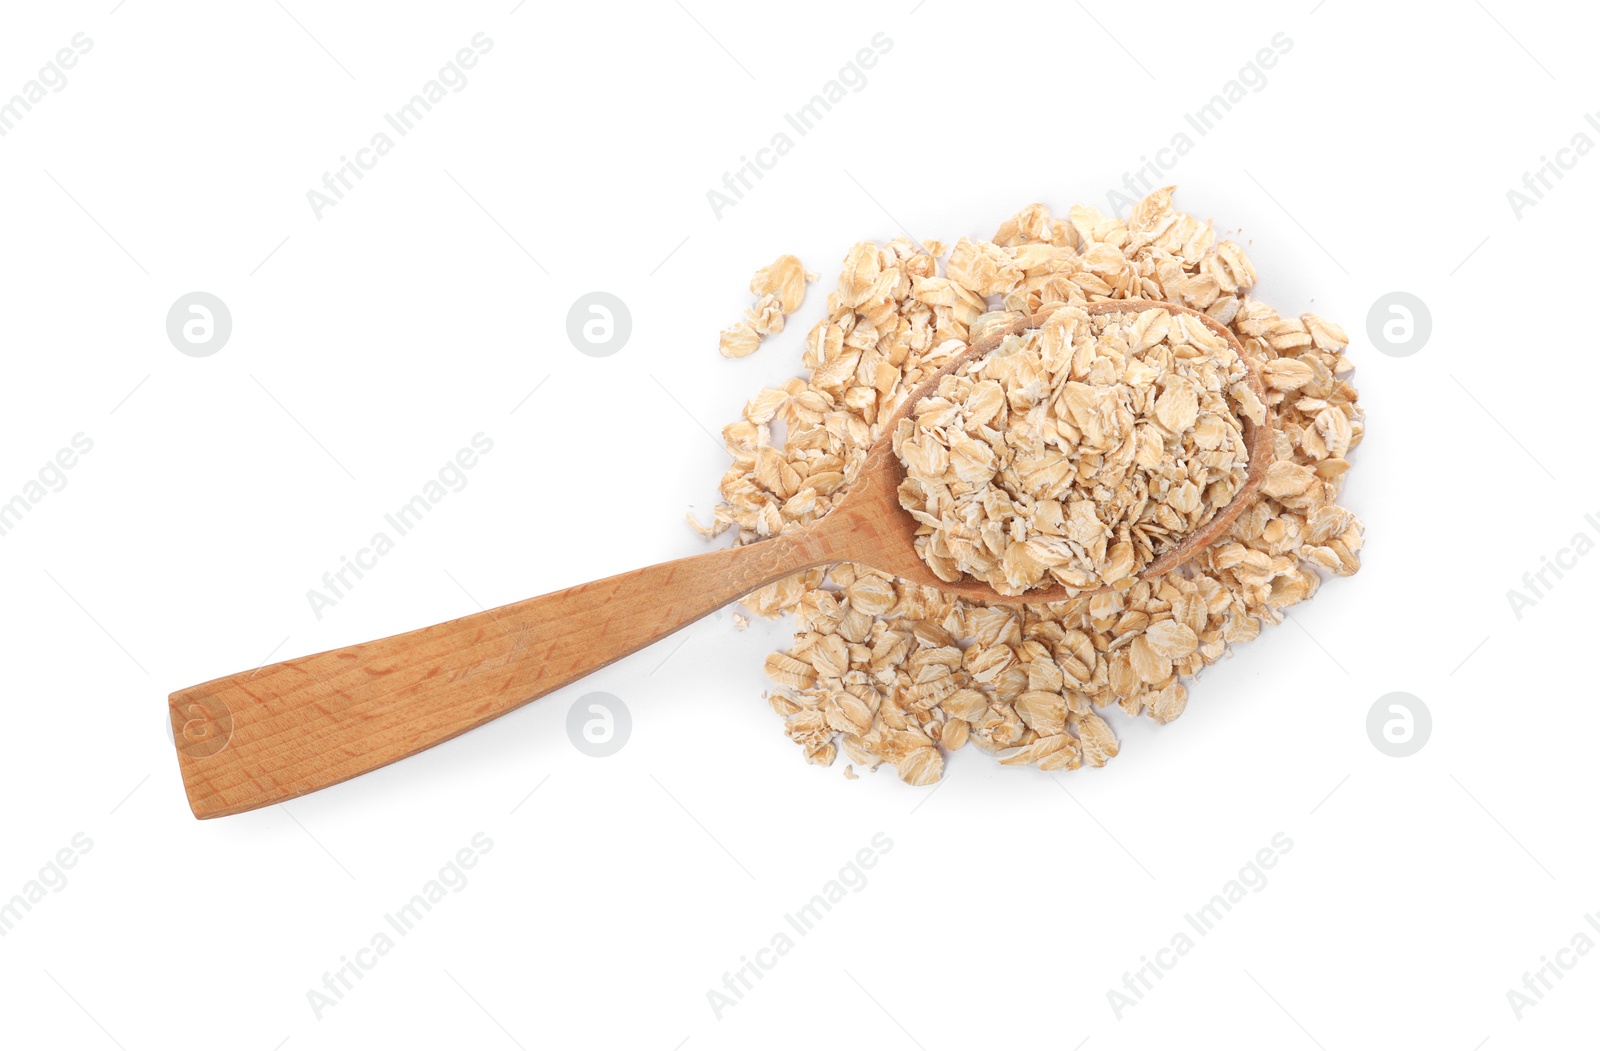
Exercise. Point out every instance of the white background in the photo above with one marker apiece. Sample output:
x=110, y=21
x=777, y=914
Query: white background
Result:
x=370, y=344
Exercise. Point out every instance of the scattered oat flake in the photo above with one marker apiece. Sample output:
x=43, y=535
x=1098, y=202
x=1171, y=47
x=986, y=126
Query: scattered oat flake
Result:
x=715, y=529
x=779, y=289
x=739, y=341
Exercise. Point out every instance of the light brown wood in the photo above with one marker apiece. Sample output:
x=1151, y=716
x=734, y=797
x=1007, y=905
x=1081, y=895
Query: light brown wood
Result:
x=261, y=737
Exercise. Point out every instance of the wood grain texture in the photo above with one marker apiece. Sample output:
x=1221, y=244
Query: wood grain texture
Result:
x=261, y=737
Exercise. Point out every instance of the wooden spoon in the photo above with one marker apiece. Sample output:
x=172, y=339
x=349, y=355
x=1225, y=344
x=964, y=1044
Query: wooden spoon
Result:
x=280, y=731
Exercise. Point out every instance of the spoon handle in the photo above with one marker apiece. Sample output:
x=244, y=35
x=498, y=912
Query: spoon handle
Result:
x=264, y=736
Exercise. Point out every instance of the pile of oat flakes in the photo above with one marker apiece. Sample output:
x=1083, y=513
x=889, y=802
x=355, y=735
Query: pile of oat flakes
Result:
x=898, y=673
x=1076, y=452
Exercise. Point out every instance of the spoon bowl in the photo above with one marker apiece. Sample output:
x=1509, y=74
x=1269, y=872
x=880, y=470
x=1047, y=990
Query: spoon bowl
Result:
x=876, y=488
x=259, y=737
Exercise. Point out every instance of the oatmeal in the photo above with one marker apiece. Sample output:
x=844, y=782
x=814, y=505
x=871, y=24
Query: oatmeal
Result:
x=1076, y=452
x=889, y=672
